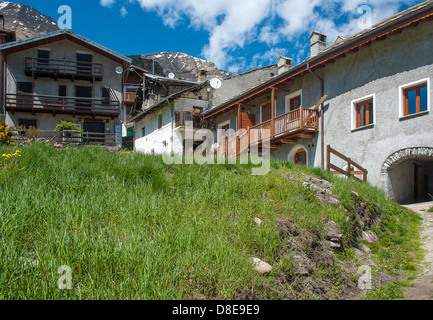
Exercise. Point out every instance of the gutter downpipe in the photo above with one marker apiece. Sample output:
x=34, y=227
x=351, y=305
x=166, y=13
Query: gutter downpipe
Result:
x=322, y=114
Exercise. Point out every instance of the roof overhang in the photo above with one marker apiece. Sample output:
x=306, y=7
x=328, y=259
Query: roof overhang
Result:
x=60, y=35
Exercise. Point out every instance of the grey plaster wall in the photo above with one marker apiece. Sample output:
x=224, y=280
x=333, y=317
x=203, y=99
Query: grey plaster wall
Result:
x=379, y=69
x=46, y=86
x=236, y=84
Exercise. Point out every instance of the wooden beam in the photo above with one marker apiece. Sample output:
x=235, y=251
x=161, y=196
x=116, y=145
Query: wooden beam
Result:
x=239, y=116
x=304, y=136
x=288, y=141
x=273, y=111
x=279, y=89
x=316, y=107
x=275, y=146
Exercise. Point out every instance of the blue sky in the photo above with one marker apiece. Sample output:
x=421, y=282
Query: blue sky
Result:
x=237, y=35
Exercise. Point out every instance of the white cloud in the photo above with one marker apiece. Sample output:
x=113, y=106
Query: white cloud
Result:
x=233, y=24
x=107, y=3
x=123, y=11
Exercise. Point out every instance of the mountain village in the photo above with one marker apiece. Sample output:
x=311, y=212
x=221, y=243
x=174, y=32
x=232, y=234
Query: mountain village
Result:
x=359, y=106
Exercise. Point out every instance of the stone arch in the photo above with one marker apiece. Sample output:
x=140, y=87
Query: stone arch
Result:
x=405, y=154
x=294, y=151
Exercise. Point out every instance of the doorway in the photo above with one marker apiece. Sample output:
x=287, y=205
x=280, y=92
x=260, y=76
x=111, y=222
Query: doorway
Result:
x=98, y=130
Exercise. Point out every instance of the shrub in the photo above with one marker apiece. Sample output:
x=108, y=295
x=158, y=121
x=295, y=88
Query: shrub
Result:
x=66, y=125
x=33, y=133
x=5, y=134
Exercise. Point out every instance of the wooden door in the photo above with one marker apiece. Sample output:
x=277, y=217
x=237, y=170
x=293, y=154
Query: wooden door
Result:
x=295, y=103
x=97, y=127
x=266, y=112
x=83, y=92
x=301, y=157
x=84, y=63
x=247, y=120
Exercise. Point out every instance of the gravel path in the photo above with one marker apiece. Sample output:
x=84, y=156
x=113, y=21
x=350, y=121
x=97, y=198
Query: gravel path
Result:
x=423, y=285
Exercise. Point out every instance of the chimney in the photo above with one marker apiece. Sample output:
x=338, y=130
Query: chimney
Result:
x=284, y=64
x=317, y=43
x=202, y=75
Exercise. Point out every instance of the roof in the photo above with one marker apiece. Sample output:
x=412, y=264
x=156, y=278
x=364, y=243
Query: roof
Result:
x=60, y=35
x=391, y=26
x=161, y=103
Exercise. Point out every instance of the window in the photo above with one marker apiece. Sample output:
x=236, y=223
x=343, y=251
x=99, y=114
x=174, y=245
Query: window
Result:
x=84, y=63
x=27, y=123
x=43, y=57
x=415, y=98
x=364, y=113
x=143, y=131
x=25, y=87
x=293, y=101
x=62, y=91
x=159, y=121
x=105, y=93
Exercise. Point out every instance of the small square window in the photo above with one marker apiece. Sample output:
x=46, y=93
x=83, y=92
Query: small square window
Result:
x=415, y=99
x=364, y=113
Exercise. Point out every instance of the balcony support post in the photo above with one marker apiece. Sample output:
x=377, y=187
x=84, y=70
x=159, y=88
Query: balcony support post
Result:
x=273, y=112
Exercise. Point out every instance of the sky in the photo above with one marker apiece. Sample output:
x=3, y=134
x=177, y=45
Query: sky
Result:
x=237, y=35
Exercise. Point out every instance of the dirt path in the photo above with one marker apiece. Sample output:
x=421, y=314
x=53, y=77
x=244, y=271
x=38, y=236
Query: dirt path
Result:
x=423, y=289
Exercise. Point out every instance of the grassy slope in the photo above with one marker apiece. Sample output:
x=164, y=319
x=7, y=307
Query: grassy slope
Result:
x=131, y=227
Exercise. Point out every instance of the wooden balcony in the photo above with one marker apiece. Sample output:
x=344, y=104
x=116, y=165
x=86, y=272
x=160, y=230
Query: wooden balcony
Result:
x=63, y=69
x=37, y=103
x=188, y=119
x=298, y=124
x=130, y=97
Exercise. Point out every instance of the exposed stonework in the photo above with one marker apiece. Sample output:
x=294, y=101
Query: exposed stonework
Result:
x=405, y=154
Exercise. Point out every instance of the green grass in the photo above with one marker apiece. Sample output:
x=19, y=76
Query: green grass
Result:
x=131, y=227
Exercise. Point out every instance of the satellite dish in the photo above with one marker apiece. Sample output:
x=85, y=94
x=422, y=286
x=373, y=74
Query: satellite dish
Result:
x=215, y=83
x=171, y=75
x=119, y=70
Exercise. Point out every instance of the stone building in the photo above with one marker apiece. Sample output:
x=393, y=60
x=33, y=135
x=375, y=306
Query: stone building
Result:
x=367, y=96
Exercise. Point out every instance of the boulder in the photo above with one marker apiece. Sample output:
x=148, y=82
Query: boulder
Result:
x=261, y=266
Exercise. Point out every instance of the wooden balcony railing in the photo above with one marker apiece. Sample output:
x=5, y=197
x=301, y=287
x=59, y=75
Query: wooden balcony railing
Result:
x=63, y=68
x=72, y=137
x=183, y=118
x=299, y=120
x=57, y=104
x=130, y=97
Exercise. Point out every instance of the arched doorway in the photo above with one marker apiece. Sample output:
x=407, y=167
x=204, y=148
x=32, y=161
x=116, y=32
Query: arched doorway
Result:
x=410, y=175
x=298, y=155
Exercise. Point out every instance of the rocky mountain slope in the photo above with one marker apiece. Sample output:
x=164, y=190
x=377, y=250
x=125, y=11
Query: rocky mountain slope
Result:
x=26, y=21
x=184, y=66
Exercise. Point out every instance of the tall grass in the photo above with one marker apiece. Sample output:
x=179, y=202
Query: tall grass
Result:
x=131, y=227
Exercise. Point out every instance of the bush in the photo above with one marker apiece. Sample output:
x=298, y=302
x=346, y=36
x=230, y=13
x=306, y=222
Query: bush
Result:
x=5, y=134
x=66, y=125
